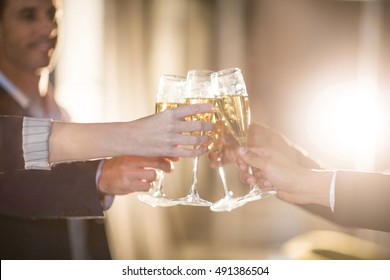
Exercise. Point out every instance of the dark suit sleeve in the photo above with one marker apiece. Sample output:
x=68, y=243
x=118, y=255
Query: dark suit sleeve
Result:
x=362, y=199
x=68, y=190
x=11, y=153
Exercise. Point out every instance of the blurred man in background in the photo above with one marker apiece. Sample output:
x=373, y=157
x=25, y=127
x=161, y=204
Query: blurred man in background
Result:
x=28, y=37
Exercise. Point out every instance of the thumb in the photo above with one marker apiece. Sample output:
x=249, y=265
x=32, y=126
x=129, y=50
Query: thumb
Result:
x=254, y=157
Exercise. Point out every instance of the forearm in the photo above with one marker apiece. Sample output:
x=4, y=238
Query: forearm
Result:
x=77, y=141
x=303, y=159
x=155, y=135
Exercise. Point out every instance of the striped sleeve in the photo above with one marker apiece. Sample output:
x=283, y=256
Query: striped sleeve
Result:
x=36, y=132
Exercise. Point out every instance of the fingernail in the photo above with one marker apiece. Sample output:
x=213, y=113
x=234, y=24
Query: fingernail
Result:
x=251, y=181
x=267, y=184
x=242, y=151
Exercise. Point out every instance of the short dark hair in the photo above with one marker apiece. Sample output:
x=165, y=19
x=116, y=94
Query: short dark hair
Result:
x=3, y=3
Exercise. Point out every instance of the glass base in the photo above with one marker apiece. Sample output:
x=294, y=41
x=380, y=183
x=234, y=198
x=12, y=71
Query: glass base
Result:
x=159, y=200
x=256, y=194
x=193, y=200
x=228, y=203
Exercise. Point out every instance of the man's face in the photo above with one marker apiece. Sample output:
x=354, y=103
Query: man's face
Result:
x=28, y=34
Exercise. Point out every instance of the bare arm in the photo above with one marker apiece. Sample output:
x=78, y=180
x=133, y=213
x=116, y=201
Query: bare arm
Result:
x=164, y=134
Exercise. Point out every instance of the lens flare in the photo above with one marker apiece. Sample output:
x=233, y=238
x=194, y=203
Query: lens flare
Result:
x=346, y=120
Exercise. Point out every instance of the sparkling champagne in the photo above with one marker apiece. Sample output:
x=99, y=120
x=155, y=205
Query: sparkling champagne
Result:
x=206, y=117
x=216, y=135
x=236, y=112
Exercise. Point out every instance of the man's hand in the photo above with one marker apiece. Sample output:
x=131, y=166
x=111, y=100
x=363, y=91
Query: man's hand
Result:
x=123, y=175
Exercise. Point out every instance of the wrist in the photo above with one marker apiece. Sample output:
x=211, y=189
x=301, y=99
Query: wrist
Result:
x=105, y=199
x=318, y=188
x=130, y=142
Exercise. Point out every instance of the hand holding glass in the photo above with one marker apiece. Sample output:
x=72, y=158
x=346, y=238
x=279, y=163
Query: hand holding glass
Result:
x=170, y=94
x=233, y=101
x=228, y=202
x=198, y=90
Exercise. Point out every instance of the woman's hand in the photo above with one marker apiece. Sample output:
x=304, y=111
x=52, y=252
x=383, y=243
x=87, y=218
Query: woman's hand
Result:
x=168, y=134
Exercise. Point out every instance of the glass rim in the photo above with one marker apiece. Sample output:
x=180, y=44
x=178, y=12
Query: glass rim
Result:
x=200, y=71
x=173, y=77
x=227, y=71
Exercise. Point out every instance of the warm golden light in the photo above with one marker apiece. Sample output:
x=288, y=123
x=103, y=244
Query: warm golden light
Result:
x=346, y=120
x=79, y=73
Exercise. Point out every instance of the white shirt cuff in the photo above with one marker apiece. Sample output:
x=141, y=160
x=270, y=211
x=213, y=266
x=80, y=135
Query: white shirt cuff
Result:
x=36, y=132
x=332, y=198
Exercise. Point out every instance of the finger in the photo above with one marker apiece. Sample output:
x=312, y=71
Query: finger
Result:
x=267, y=185
x=242, y=165
x=134, y=185
x=145, y=174
x=188, y=110
x=257, y=160
x=244, y=175
x=156, y=163
x=248, y=179
x=133, y=163
x=138, y=186
x=251, y=180
x=192, y=126
x=191, y=140
x=164, y=166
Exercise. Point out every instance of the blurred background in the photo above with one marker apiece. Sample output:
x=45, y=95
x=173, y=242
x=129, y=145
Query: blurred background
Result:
x=316, y=70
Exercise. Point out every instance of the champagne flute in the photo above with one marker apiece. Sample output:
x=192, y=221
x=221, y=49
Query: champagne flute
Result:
x=170, y=94
x=233, y=101
x=228, y=202
x=198, y=90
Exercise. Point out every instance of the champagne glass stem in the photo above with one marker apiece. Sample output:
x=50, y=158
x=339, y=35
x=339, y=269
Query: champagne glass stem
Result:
x=157, y=198
x=254, y=189
x=193, y=198
x=194, y=184
x=197, y=90
x=160, y=182
x=255, y=193
x=228, y=202
x=222, y=175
